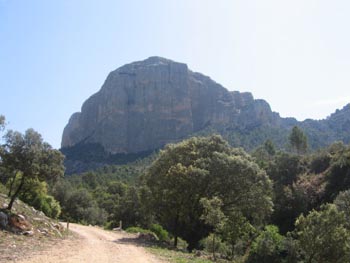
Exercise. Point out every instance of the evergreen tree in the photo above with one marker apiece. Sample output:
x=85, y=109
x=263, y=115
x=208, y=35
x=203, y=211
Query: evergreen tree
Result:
x=322, y=235
x=26, y=156
x=205, y=167
x=298, y=140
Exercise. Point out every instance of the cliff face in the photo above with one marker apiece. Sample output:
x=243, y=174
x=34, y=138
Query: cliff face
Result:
x=144, y=105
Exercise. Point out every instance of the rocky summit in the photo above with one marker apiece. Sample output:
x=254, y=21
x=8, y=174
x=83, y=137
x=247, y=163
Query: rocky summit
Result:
x=146, y=104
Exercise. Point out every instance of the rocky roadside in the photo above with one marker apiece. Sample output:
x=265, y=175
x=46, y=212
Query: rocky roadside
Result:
x=14, y=247
x=25, y=231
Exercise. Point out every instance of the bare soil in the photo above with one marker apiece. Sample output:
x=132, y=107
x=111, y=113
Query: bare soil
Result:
x=93, y=244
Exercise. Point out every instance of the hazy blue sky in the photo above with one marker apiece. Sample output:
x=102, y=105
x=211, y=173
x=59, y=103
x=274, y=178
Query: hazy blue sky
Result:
x=55, y=54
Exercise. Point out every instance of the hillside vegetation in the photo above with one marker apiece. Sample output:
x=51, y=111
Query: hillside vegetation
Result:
x=38, y=231
x=27, y=166
x=204, y=197
x=267, y=206
x=144, y=105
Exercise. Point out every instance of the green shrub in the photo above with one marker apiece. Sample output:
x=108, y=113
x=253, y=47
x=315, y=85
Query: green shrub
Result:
x=211, y=244
x=35, y=194
x=342, y=202
x=55, y=208
x=267, y=247
x=3, y=189
x=108, y=225
x=136, y=229
x=181, y=244
x=47, y=204
x=40, y=203
x=82, y=207
x=322, y=235
x=160, y=232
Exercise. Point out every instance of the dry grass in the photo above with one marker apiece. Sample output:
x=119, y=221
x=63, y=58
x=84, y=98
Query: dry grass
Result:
x=175, y=256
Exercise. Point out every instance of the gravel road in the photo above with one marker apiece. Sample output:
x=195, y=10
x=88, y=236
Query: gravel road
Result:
x=95, y=245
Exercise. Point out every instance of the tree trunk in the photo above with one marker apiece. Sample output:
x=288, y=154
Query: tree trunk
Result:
x=214, y=257
x=175, y=230
x=175, y=241
x=13, y=198
x=11, y=185
x=232, y=249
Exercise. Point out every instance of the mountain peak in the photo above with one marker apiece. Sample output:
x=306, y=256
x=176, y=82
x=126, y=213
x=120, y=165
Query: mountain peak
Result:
x=150, y=62
x=146, y=104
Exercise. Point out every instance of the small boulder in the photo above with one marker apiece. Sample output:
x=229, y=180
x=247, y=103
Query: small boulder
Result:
x=22, y=217
x=44, y=231
x=19, y=224
x=28, y=233
x=3, y=220
x=198, y=253
x=147, y=237
x=58, y=227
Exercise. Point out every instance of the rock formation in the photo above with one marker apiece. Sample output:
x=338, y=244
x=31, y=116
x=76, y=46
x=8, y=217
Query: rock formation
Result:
x=144, y=105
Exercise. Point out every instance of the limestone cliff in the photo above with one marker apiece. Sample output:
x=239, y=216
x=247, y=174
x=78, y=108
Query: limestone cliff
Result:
x=145, y=105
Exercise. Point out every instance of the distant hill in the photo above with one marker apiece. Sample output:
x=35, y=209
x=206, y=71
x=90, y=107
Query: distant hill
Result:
x=146, y=104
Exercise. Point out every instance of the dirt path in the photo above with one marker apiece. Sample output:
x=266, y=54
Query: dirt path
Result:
x=95, y=245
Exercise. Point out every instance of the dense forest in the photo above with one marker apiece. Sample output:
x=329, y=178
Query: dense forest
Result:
x=268, y=205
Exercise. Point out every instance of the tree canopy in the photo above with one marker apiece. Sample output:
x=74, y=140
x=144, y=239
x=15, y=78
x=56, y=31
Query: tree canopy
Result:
x=2, y=122
x=298, y=140
x=322, y=235
x=205, y=167
x=27, y=156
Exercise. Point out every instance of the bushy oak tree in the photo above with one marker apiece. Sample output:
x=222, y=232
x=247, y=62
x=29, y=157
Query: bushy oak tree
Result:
x=27, y=156
x=322, y=235
x=342, y=202
x=214, y=217
x=338, y=174
x=267, y=247
x=205, y=167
